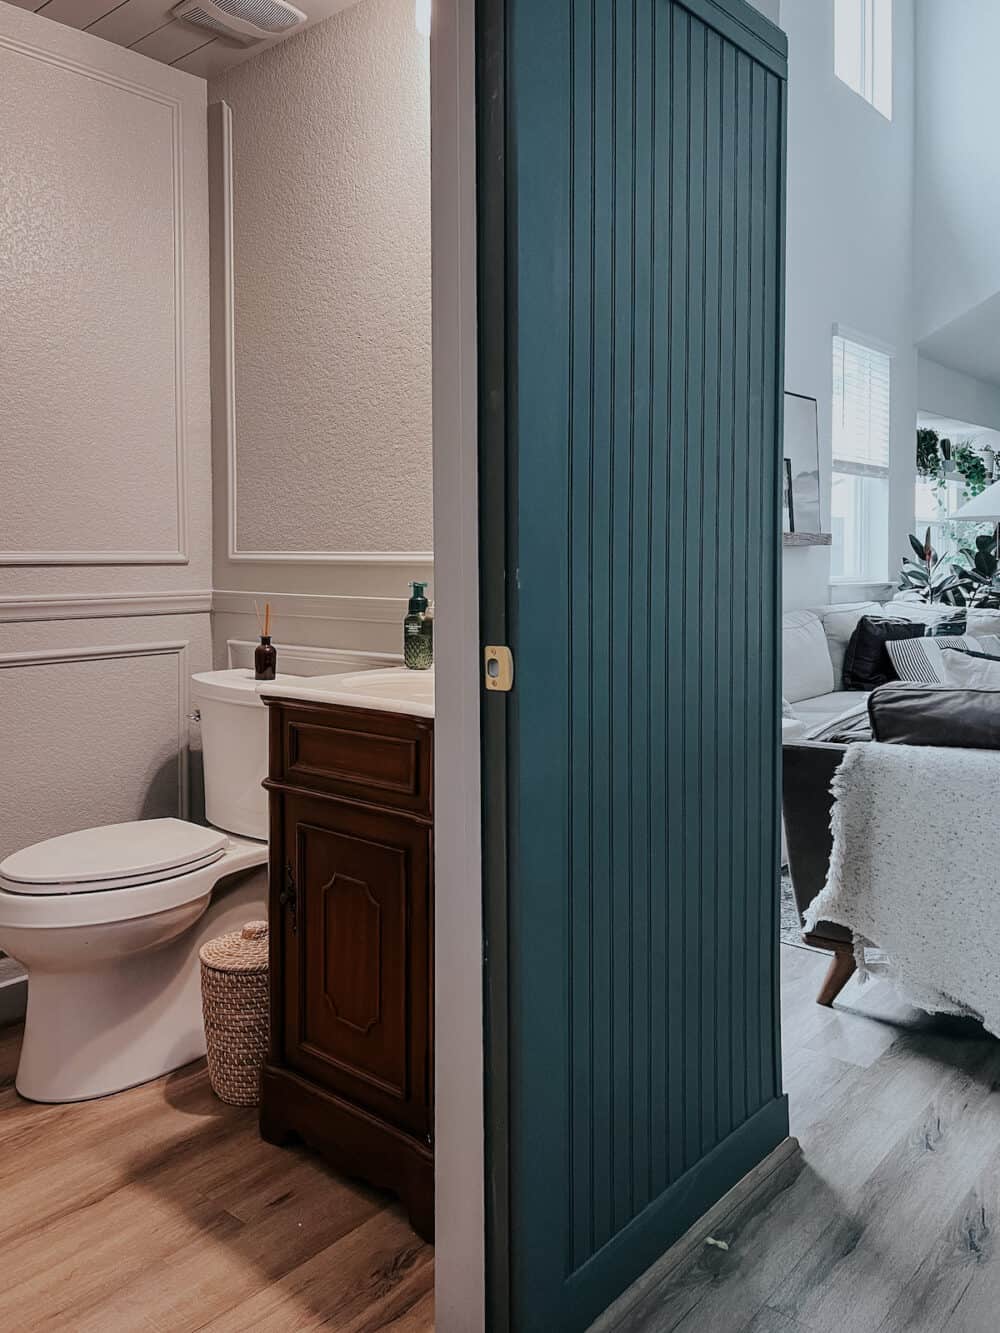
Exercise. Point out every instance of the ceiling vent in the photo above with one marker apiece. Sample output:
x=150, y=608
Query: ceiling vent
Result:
x=246, y=21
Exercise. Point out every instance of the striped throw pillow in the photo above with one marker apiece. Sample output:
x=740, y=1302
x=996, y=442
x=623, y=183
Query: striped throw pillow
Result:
x=919, y=660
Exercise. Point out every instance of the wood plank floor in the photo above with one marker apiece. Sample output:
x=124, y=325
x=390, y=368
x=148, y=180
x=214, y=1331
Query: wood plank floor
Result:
x=892, y=1224
x=160, y=1210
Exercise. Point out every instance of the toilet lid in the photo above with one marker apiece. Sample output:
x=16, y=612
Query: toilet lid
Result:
x=113, y=856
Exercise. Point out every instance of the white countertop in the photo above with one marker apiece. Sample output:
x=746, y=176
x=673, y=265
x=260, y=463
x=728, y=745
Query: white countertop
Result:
x=393, y=690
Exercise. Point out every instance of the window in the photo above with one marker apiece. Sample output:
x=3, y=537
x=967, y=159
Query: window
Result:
x=862, y=49
x=860, y=492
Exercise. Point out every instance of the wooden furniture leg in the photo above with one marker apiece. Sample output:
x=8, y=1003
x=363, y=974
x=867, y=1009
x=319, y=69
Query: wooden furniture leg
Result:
x=842, y=968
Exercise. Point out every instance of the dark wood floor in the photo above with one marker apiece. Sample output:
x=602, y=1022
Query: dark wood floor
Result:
x=892, y=1224
x=160, y=1210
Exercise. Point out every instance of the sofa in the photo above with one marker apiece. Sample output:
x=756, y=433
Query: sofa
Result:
x=814, y=643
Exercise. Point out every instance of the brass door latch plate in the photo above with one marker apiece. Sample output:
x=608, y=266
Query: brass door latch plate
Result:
x=498, y=667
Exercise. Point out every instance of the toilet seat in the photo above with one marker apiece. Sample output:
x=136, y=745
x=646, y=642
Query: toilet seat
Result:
x=99, y=907
x=112, y=857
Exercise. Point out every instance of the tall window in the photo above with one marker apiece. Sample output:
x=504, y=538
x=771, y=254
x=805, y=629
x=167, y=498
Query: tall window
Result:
x=862, y=49
x=860, y=492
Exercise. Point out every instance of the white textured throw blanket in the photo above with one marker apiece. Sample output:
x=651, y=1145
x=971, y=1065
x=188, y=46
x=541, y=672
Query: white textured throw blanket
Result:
x=915, y=872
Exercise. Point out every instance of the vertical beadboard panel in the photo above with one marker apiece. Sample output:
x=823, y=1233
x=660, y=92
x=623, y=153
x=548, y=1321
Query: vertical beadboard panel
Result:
x=728, y=666
x=640, y=550
x=740, y=558
x=600, y=370
x=772, y=336
x=580, y=693
x=676, y=813
x=689, y=518
x=660, y=1020
x=709, y=574
x=755, y=698
x=622, y=459
x=646, y=402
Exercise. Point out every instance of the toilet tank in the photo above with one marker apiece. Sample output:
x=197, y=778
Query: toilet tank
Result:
x=234, y=750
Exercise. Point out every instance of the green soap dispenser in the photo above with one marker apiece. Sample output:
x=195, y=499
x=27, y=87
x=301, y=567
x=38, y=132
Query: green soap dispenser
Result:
x=418, y=642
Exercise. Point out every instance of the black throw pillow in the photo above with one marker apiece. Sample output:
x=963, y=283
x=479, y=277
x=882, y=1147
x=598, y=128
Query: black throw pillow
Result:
x=866, y=662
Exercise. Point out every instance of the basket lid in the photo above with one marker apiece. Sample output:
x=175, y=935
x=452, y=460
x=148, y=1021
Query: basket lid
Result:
x=240, y=951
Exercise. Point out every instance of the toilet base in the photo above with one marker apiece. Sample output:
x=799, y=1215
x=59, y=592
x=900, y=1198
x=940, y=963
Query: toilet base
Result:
x=94, y=1030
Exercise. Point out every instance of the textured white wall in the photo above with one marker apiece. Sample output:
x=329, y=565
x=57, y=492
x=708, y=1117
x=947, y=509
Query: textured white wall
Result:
x=331, y=451
x=849, y=248
x=94, y=724
x=104, y=409
x=91, y=423
x=105, y=539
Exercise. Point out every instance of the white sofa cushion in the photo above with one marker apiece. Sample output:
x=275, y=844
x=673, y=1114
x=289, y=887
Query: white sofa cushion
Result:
x=979, y=620
x=826, y=707
x=839, y=623
x=806, y=670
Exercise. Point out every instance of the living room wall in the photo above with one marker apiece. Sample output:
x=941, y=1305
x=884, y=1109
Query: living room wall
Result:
x=957, y=197
x=945, y=392
x=849, y=249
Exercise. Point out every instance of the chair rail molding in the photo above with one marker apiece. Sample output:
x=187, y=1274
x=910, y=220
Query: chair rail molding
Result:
x=173, y=106
x=178, y=648
x=102, y=606
x=313, y=606
x=224, y=379
x=307, y=661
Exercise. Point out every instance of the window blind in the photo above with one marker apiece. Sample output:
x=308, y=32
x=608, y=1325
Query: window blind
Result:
x=861, y=388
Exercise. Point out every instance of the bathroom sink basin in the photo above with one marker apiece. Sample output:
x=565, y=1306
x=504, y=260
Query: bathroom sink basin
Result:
x=394, y=690
x=393, y=683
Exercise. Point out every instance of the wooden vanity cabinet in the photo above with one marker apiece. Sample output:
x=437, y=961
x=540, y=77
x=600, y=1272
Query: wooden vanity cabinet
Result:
x=350, y=1064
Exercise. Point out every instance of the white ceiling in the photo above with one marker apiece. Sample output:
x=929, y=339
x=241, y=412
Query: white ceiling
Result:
x=970, y=343
x=147, y=26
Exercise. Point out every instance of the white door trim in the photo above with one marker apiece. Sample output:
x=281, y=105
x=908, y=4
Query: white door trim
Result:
x=459, y=1252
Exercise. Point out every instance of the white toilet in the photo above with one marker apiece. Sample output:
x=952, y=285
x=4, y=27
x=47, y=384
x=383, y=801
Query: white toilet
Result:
x=108, y=921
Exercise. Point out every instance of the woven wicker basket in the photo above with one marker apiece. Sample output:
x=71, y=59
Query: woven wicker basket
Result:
x=235, y=1004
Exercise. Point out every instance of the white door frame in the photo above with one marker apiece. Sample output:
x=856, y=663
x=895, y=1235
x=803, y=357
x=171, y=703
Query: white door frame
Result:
x=458, y=930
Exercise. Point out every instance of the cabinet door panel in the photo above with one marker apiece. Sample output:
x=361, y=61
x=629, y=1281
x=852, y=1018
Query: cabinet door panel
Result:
x=357, y=1015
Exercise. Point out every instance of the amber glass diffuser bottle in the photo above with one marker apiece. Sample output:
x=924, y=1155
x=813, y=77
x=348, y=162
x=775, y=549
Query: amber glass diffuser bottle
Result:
x=265, y=657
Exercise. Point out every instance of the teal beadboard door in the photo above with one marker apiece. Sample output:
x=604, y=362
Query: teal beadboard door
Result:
x=631, y=203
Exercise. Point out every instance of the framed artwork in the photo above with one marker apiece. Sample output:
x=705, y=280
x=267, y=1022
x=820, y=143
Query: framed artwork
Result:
x=787, y=500
x=800, y=473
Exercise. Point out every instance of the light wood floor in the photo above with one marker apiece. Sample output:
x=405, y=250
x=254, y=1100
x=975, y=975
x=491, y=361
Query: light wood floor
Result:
x=160, y=1210
x=892, y=1224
